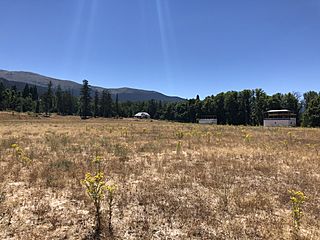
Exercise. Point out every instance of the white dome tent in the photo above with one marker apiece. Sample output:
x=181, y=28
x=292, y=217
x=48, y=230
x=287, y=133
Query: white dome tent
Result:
x=142, y=115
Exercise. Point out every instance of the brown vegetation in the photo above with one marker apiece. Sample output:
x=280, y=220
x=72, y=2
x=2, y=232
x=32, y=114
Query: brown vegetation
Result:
x=174, y=181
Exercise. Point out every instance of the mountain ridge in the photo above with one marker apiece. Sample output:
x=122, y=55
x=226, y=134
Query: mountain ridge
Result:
x=124, y=93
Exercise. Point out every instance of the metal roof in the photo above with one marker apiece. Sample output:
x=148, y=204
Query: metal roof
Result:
x=140, y=114
x=279, y=111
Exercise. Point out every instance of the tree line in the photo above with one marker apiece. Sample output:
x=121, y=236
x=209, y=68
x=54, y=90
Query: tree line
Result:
x=246, y=107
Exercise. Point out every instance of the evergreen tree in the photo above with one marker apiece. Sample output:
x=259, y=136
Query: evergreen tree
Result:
x=59, y=100
x=182, y=112
x=37, y=107
x=219, y=105
x=259, y=106
x=117, y=105
x=13, y=100
x=311, y=116
x=169, y=111
x=231, y=107
x=27, y=104
x=106, y=104
x=292, y=103
x=152, y=108
x=19, y=102
x=2, y=96
x=159, y=111
x=26, y=91
x=96, y=104
x=14, y=89
x=245, y=106
x=34, y=93
x=275, y=102
x=307, y=97
x=7, y=97
x=85, y=100
x=69, y=103
x=48, y=100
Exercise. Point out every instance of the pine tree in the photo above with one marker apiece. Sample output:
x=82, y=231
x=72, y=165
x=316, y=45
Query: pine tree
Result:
x=231, y=106
x=13, y=98
x=85, y=100
x=68, y=103
x=152, y=107
x=245, y=106
x=259, y=106
x=106, y=104
x=2, y=96
x=59, y=100
x=48, y=100
x=96, y=104
x=312, y=113
x=34, y=93
x=26, y=91
x=117, y=105
x=37, y=107
x=27, y=105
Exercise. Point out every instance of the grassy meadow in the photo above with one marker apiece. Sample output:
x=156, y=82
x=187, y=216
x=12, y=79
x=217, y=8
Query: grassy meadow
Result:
x=173, y=180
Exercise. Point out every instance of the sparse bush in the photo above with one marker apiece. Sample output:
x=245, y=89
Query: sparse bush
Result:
x=297, y=199
x=179, y=134
x=179, y=147
x=247, y=137
x=96, y=186
x=20, y=154
x=111, y=189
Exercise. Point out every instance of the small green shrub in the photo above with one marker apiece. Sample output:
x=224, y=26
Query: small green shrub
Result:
x=179, y=134
x=297, y=199
x=95, y=186
x=20, y=154
x=111, y=189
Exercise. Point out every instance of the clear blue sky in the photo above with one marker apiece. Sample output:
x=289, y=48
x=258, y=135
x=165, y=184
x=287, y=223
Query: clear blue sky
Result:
x=178, y=47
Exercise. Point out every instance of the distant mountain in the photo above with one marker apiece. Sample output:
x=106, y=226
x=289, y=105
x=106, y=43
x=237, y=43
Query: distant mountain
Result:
x=20, y=85
x=20, y=78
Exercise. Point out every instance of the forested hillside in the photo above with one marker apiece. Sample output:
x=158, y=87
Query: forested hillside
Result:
x=20, y=78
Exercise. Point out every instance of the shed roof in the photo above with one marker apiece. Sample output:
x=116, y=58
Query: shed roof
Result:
x=142, y=114
x=279, y=111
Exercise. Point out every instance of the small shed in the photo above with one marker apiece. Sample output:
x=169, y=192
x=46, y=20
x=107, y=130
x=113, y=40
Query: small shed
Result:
x=142, y=115
x=209, y=119
x=279, y=118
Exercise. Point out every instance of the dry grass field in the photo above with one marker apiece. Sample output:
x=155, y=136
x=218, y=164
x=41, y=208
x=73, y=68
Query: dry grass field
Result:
x=174, y=180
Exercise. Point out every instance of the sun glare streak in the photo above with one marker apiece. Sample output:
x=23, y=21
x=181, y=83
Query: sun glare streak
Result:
x=80, y=34
x=71, y=44
x=164, y=39
x=89, y=27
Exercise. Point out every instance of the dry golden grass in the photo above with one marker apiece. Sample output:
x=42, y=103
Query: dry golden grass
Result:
x=174, y=181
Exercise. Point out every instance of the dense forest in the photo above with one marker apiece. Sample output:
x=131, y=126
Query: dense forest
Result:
x=245, y=107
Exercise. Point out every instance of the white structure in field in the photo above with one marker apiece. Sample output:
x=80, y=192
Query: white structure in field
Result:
x=208, y=120
x=142, y=115
x=279, y=118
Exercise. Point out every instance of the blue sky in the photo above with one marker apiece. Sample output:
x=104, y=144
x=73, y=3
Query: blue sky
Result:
x=178, y=47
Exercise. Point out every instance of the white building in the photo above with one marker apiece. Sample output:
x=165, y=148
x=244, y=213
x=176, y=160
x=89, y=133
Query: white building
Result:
x=142, y=115
x=279, y=118
x=208, y=120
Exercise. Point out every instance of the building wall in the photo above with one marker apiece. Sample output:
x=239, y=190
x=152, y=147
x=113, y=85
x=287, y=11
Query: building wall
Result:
x=292, y=122
x=208, y=121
